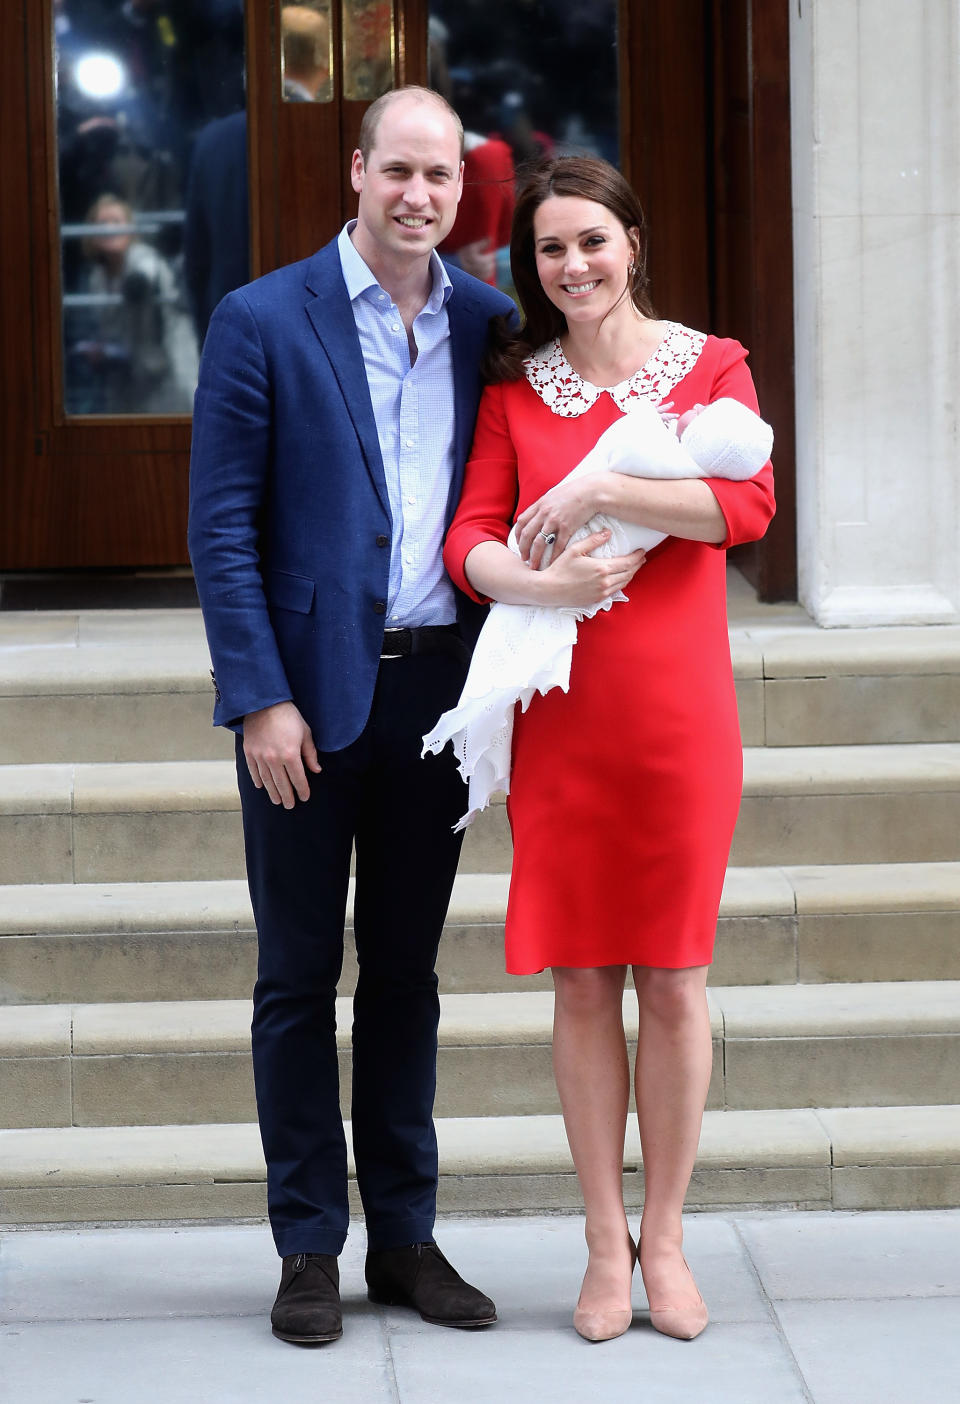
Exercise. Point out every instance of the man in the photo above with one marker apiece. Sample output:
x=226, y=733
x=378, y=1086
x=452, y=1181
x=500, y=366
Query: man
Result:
x=333, y=418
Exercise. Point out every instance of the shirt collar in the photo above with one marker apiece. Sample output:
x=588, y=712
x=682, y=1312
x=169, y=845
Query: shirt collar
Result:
x=359, y=279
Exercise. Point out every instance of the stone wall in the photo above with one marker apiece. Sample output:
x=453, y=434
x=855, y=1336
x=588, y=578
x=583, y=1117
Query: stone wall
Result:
x=876, y=171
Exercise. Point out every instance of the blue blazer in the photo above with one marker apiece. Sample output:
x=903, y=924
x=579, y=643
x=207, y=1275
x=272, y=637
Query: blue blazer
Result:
x=289, y=516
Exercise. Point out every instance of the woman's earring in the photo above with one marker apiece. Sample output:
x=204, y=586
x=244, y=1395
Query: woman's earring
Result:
x=631, y=269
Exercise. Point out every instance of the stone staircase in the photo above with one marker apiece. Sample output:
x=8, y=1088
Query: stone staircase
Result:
x=127, y=948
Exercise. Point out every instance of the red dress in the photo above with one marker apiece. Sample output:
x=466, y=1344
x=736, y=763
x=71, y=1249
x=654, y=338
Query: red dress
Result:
x=624, y=790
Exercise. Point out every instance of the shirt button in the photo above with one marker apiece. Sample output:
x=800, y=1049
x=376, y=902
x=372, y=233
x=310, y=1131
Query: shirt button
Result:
x=379, y=606
x=411, y=501
x=396, y=326
x=410, y=443
x=383, y=540
x=408, y=559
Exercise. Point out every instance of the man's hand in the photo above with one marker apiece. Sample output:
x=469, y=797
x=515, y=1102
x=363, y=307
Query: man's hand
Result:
x=277, y=744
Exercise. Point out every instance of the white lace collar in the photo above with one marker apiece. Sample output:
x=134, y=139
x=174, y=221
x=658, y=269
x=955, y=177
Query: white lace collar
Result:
x=564, y=392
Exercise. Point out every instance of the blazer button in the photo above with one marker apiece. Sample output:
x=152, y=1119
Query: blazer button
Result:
x=383, y=540
x=379, y=606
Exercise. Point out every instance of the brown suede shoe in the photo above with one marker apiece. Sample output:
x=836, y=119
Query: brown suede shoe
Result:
x=419, y=1276
x=307, y=1309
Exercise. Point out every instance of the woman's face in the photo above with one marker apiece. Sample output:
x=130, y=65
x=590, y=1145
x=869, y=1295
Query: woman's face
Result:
x=583, y=254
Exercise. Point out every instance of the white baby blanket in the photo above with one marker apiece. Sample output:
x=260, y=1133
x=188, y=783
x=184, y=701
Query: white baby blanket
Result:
x=524, y=649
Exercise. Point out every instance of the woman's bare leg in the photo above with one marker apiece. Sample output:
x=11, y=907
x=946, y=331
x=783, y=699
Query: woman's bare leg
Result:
x=593, y=1079
x=674, y=1060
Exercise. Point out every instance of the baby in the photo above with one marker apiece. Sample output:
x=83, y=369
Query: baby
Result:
x=524, y=649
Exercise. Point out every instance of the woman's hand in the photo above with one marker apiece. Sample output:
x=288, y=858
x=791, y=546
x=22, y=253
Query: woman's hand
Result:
x=559, y=512
x=577, y=580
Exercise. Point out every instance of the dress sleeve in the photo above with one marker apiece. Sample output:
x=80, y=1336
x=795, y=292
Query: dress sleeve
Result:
x=747, y=506
x=488, y=503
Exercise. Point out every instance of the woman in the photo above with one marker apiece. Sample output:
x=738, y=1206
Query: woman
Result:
x=624, y=790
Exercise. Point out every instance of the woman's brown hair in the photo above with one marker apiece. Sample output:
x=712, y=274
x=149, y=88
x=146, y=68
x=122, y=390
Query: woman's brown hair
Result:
x=584, y=178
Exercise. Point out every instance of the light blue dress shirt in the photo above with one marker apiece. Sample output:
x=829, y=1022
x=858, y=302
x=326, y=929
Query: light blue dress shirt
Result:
x=414, y=410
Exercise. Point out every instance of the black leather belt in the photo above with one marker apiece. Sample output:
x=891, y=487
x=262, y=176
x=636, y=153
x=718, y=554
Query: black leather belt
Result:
x=428, y=638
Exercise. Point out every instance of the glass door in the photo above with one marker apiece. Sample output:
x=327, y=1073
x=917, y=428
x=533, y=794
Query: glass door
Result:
x=528, y=80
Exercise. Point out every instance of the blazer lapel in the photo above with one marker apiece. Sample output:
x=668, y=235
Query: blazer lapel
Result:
x=468, y=333
x=331, y=317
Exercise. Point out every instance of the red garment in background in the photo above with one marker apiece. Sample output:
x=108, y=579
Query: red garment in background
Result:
x=486, y=208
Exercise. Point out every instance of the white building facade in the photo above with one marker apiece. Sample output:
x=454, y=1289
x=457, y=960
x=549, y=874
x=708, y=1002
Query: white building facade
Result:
x=875, y=99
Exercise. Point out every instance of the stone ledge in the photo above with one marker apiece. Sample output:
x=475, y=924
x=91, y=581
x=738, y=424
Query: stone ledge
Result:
x=737, y=1140
x=904, y=1136
x=814, y=653
x=875, y=888
x=851, y=770
x=894, y=1009
x=52, y=909
x=160, y=1027
x=886, y=1009
x=127, y=670
x=129, y=787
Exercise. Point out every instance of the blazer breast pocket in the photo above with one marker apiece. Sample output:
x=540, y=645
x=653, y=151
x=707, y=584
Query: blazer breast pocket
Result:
x=286, y=591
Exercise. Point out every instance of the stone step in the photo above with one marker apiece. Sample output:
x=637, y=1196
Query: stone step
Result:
x=103, y=686
x=857, y=686
x=97, y=942
x=189, y=1061
x=181, y=1062
x=107, y=685
x=180, y=820
x=849, y=804
x=819, y=1158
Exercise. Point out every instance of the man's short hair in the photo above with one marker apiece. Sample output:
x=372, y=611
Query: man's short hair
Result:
x=306, y=39
x=373, y=114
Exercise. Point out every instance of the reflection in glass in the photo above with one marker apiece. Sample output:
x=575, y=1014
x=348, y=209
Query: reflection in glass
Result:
x=152, y=193
x=306, y=52
x=528, y=78
x=369, y=39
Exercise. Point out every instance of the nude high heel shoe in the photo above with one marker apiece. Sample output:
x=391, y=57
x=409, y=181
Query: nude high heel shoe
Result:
x=683, y=1323
x=605, y=1325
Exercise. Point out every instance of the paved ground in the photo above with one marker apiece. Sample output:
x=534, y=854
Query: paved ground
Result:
x=830, y=1308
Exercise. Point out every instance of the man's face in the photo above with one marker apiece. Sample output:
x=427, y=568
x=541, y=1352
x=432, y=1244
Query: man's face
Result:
x=410, y=185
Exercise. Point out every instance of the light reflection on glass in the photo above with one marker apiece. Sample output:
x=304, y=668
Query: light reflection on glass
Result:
x=369, y=42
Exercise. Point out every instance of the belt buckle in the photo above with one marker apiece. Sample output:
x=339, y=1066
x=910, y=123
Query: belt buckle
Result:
x=386, y=657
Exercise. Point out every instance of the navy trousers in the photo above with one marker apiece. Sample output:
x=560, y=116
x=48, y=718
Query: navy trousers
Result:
x=397, y=810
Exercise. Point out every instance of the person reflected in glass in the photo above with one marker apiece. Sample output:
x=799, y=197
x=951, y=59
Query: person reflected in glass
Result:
x=306, y=53
x=625, y=789
x=216, y=228
x=130, y=346
x=482, y=229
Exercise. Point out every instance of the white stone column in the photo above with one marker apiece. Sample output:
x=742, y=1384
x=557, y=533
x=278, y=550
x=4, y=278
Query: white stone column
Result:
x=876, y=177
